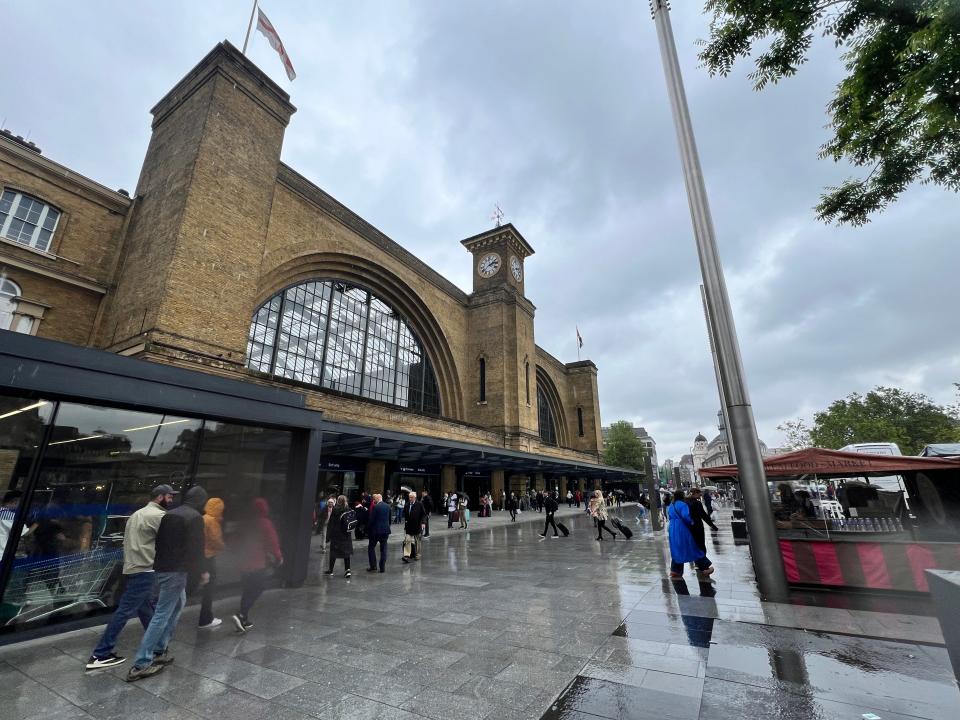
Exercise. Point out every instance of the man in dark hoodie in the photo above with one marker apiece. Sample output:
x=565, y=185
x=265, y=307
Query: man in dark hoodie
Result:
x=178, y=565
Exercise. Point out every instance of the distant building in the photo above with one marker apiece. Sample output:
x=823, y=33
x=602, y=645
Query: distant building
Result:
x=666, y=472
x=688, y=472
x=699, y=451
x=649, y=444
x=717, y=451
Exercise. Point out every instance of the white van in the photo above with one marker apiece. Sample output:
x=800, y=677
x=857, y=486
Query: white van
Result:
x=885, y=482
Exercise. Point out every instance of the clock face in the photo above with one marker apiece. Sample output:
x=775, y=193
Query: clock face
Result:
x=489, y=265
x=516, y=268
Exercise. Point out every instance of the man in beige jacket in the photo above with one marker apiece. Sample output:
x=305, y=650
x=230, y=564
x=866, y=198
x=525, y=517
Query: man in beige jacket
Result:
x=139, y=593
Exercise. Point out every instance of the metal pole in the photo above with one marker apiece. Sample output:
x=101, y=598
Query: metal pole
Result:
x=764, y=546
x=716, y=371
x=246, y=39
x=653, y=493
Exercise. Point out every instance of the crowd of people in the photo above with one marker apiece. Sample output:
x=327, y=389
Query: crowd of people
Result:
x=170, y=550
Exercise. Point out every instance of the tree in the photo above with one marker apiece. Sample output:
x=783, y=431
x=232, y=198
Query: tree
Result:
x=796, y=434
x=911, y=420
x=897, y=112
x=623, y=448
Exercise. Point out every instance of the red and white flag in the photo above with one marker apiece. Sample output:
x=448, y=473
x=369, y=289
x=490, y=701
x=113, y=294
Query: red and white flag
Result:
x=270, y=33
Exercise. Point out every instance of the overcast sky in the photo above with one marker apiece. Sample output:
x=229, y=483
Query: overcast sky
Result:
x=421, y=115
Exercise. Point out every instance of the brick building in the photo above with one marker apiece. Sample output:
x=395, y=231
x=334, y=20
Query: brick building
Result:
x=227, y=262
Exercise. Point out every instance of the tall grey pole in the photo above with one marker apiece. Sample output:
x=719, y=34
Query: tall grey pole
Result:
x=716, y=371
x=764, y=546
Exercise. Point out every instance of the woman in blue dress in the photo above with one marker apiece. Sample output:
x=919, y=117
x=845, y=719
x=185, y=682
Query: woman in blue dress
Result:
x=683, y=547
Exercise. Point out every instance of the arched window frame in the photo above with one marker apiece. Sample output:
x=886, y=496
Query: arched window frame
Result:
x=302, y=315
x=8, y=306
x=27, y=219
x=546, y=423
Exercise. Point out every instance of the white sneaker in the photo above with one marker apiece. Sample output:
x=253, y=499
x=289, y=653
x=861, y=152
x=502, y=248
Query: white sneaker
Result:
x=216, y=622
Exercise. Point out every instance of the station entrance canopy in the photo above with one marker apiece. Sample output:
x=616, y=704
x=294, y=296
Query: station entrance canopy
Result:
x=374, y=444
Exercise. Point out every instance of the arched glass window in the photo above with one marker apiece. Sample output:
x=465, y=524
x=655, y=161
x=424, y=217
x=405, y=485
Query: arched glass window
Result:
x=8, y=291
x=548, y=428
x=342, y=337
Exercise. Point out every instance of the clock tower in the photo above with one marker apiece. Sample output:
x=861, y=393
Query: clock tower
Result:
x=498, y=257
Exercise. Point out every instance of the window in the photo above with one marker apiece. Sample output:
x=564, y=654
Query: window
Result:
x=8, y=291
x=580, y=422
x=27, y=220
x=526, y=370
x=483, y=380
x=548, y=428
x=342, y=337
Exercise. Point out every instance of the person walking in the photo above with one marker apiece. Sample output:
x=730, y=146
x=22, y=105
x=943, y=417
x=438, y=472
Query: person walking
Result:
x=213, y=545
x=413, y=526
x=397, y=508
x=708, y=502
x=378, y=530
x=451, y=508
x=512, y=506
x=550, y=504
x=178, y=565
x=427, y=509
x=598, y=509
x=463, y=510
x=569, y=499
x=643, y=505
x=683, y=545
x=342, y=520
x=261, y=552
x=323, y=520
x=699, y=516
x=139, y=580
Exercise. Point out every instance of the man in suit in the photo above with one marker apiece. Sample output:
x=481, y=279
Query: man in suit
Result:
x=414, y=521
x=699, y=517
x=378, y=530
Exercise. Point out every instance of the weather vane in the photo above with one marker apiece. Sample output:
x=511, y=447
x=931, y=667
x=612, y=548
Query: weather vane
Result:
x=497, y=214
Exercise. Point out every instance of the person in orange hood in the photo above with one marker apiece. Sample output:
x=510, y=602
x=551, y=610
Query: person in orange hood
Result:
x=261, y=551
x=212, y=546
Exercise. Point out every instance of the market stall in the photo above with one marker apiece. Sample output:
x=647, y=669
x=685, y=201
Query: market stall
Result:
x=837, y=529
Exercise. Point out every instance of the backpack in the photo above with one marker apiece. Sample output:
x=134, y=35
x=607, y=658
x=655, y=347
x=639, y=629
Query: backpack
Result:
x=348, y=521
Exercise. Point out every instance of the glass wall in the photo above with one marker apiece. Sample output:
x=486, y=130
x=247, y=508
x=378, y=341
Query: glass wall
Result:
x=84, y=469
x=342, y=337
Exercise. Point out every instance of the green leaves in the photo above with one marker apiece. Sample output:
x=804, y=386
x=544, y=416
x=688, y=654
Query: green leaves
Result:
x=623, y=448
x=896, y=114
x=884, y=414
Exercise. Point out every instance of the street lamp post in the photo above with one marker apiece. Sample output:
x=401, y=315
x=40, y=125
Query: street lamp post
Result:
x=764, y=546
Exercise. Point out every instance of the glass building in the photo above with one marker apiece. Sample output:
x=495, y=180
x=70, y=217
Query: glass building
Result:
x=80, y=451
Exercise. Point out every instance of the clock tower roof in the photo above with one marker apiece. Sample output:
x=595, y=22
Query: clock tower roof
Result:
x=503, y=234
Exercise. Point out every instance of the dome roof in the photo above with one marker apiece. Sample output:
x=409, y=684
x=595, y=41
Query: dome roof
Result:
x=700, y=438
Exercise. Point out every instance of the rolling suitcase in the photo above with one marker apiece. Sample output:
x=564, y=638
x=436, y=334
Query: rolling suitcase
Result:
x=563, y=528
x=625, y=531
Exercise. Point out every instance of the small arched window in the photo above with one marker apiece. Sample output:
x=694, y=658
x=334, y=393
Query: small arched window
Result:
x=8, y=291
x=483, y=380
x=526, y=370
x=27, y=220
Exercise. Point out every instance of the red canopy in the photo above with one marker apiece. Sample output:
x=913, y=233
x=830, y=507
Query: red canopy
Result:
x=837, y=464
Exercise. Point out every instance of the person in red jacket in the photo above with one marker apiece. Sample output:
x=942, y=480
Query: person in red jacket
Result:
x=261, y=551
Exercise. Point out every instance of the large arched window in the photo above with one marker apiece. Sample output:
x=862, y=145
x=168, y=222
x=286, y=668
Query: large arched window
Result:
x=8, y=291
x=342, y=337
x=548, y=427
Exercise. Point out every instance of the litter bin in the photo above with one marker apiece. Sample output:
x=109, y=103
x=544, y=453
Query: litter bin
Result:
x=739, y=528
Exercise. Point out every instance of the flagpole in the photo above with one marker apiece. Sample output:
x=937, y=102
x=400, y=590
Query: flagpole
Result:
x=246, y=39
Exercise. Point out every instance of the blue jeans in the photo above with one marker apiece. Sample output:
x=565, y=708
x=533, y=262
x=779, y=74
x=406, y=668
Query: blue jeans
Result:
x=138, y=599
x=372, y=551
x=170, y=602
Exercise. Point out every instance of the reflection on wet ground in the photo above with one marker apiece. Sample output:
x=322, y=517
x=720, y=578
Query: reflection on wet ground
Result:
x=700, y=650
x=497, y=623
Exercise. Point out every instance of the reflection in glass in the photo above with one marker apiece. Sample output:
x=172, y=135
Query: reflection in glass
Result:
x=344, y=338
x=97, y=469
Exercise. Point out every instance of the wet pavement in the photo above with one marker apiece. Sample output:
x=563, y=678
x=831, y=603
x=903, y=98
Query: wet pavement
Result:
x=497, y=623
